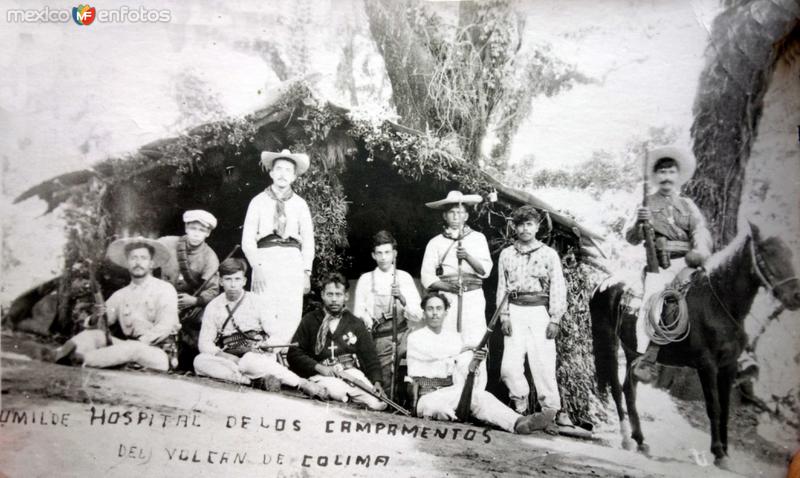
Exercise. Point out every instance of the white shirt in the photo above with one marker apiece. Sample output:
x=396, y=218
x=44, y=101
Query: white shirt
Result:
x=442, y=249
x=380, y=283
x=147, y=311
x=435, y=355
x=252, y=314
x=258, y=223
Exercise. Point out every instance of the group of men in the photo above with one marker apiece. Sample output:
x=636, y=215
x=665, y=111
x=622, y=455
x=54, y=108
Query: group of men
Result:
x=261, y=338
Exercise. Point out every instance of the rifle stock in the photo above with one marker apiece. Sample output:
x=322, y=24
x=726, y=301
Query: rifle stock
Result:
x=395, y=358
x=465, y=401
x=646, y=227
x=350, y=380
x=99, y=300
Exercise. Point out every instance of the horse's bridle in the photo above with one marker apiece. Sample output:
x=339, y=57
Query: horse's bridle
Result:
x=763, y=272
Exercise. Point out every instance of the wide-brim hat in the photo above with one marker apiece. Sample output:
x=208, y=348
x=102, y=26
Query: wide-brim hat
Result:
x=684, y=159
x=455, y=197
x=116, y=251
x=203, y=217
x=301, y=160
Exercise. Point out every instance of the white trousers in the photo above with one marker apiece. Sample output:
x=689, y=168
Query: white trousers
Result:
x=91, y=345
x=338, y=389
x=251, y=365
x=473, y=317
x=441, y=405
x=279, y=278
x=528, y=338
x=653, y=284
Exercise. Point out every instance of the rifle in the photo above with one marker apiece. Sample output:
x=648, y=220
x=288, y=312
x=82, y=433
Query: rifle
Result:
x=278, y=346
x=352, y=381
x=99, y=300
x=646, y=227
x=465, y=402
x=395, y=358
x=460, y=312
x=191, y=312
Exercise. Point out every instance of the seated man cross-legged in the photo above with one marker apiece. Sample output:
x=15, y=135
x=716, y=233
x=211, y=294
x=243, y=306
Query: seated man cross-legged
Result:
x=146, y=309
x=234, y=338
x=333, y=343
x=438, y=363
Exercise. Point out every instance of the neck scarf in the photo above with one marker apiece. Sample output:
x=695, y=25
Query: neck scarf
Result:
x=526, y=252
x=322, y=333
x=279, y=217
x=453, y=233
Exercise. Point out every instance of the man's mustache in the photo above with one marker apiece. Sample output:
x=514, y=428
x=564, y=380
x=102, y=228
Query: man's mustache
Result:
x=667, y=181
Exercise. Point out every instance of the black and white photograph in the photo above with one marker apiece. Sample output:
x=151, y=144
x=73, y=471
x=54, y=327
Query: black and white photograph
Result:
x=409, y=238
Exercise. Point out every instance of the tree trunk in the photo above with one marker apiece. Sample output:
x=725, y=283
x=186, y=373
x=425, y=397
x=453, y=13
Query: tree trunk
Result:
x=408, y=63
x=729, y=103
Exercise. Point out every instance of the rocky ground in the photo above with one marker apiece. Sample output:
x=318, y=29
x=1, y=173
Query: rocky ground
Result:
x=74, y=421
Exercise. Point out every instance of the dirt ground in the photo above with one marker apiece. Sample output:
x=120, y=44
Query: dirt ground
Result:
x=72, y=421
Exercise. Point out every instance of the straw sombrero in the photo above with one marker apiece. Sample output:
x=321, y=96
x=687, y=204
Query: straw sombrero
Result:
x=301, y=160
x=116, y=251
x=455, y=197
x=685, y=160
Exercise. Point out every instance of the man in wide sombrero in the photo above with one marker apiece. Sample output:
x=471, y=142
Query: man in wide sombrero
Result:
x=278, y=241
x=459, y=257
x=146, y=310
x=680, y=231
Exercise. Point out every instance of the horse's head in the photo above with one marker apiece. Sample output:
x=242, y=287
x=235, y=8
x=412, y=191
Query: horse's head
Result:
x=772, y=261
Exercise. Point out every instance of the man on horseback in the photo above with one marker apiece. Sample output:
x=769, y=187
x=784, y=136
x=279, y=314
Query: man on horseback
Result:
x=682, y=238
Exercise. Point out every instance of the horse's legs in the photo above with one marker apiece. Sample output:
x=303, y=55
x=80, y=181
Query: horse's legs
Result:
x=725, y=378
x=616, y=393
x=629, y=387
x=708, y=378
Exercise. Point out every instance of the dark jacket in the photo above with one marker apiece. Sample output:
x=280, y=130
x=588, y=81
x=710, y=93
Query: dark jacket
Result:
x=302, y=358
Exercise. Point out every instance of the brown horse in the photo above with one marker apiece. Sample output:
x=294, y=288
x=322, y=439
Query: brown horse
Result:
x=718, y=300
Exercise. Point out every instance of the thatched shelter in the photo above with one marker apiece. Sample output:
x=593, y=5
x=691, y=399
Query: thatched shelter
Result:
x=367, y=174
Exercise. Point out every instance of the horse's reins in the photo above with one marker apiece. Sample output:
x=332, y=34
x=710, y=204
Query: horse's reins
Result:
x=758, y=264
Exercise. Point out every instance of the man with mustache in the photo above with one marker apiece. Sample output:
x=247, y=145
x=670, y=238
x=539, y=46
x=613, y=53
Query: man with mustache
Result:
x=146, y=309
x=192, y=264
x=438, y=363
x=681, y=234
x=278, y=241
x=332, y=341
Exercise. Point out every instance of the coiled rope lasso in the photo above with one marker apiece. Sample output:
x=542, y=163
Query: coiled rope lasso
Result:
x=659, y=332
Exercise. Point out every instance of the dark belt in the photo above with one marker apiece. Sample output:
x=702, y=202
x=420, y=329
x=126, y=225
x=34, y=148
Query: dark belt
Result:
x=274, y=240
x=428, y=384
x=528, y=299
x=382, y=328
x=345, y=360
x=469, y=282
x=675, y=249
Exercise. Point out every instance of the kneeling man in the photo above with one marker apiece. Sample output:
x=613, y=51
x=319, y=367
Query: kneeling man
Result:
x=332, y=343
x=147, y=311
x=438, y=363
x=236, y=325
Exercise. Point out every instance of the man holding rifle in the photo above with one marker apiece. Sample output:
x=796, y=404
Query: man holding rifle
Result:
x=380, y=294
x=438, y=364
x=455, y=263
x=192, y=270
x=235, y=343
x=335, y=350
x=681, y=237
x=530, y=272
x=146, y=309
